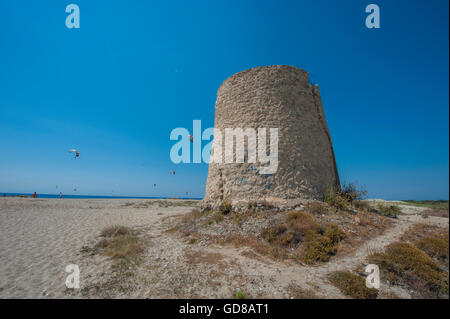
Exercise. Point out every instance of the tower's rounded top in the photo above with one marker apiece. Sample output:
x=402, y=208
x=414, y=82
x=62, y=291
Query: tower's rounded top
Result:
x=269, y=72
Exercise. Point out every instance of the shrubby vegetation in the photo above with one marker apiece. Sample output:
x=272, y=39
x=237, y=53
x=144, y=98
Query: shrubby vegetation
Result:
x=344, y=197
x=319, y=243
x=404, y=264
x=352, y=285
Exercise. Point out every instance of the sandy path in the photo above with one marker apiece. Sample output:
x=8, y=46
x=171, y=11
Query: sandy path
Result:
x=40, y=237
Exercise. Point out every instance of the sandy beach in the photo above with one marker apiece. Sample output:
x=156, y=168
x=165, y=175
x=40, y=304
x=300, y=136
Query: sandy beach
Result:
x=40, y=237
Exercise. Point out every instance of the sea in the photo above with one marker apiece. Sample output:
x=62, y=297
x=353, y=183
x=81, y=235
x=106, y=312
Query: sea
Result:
x=93, y=196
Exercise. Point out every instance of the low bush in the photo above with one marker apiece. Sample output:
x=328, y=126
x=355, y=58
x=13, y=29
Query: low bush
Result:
x=352, y=285
x=319, y=243
x=115, y=230
x=344, y=197
x=438, y=212
x=361, y=205
x=435, y=245
x=316, y=208
x=391, y=211
x=403, y=263
x=297, y=292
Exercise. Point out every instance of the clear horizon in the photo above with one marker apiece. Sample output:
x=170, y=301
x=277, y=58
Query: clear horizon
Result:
x=115, y=88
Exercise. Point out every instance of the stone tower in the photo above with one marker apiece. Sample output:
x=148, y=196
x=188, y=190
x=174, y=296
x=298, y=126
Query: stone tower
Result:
x=273, y=97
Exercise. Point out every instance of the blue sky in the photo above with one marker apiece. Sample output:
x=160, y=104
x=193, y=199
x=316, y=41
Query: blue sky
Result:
x=135, y=70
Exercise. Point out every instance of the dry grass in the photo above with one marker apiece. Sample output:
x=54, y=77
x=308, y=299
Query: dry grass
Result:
x=266, y=204
x=172, y=203
x=163, y=203
x=188, y=222
x=387, y=295
x=405, y=264
x=362, y=205
x=218, y=217
x=203, y=257
x=238, y=217
x=195, y=214
x=316, y=208
x=343, y=198
x=319, y=243
x=366, y=225
x=437, y=212
x=298, y=292
x=391, y=211
x=352, y=285
x=115, y=230
x=120, y=242
x=261, y=247
x=310, y=236
x=438, y=204
x=435, y=245
x=292, y=231
x=225, y=208
x=432, y=240
x=418, y=231
x=125, y=248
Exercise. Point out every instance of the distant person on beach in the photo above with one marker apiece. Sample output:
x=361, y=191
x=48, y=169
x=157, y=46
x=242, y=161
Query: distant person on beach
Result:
x=34, y=195
x=4, y=195
x=60, y=194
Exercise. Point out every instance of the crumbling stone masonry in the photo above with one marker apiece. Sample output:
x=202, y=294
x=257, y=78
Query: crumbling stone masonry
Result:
x=274, y=97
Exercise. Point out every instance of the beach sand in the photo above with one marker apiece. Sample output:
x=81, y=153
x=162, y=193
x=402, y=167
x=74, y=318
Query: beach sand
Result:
x=40, y=237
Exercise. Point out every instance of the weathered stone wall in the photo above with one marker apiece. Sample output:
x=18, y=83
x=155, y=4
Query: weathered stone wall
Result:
x=274, y=97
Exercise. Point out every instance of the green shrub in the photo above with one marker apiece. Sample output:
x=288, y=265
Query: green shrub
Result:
x=319, y=248
x=343, y=197
x=435, y=245
x=352, y=192
x=391, y=211
x=352, y=285
x=402, y=263
x=298, y=292
x=301, y=228
x=333, y=232
x=240, y=295
x=271, y=234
